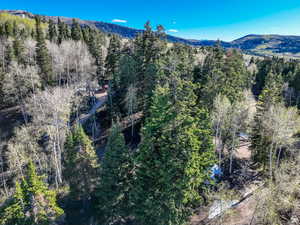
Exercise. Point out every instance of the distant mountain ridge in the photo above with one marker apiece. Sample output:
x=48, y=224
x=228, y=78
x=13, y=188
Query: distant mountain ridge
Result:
x=272, y=44
x=264, y=45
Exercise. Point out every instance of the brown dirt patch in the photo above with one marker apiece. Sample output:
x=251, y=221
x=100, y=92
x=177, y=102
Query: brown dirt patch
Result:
x=243, y=151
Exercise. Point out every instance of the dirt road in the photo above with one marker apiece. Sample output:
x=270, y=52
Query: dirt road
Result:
x=101, y=99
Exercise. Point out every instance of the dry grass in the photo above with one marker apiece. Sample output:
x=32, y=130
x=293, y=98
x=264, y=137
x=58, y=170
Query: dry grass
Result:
x=279, y=202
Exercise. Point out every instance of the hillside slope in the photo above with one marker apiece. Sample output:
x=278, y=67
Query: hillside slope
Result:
x=123, y=31
x=263, y=45
x=269, y=44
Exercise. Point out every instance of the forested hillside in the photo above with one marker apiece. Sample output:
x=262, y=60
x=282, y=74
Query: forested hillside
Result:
x=287, y=46
x=96, y=129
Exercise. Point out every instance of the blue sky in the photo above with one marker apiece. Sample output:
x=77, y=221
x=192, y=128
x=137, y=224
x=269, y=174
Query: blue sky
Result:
x=195, y=19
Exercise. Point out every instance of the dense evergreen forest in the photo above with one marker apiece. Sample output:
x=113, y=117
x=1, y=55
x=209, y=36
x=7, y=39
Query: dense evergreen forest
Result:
x=100, y=130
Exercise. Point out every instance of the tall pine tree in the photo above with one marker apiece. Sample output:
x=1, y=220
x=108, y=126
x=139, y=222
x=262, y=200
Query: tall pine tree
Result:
x=94, y=41
x=116, y=174
x=113, y=56
x=148, y=46
x=63, y=31
x=81, y=164
x=32, y=204
x=174, y=157
x=111, y=65
x=76, y=31
x=14, y=212
x=270, y=95
x=52, y=32
x=42, y=56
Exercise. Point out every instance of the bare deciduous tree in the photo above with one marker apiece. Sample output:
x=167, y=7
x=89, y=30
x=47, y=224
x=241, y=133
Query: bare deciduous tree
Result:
x=50, y=110
x=19, y=84
x=72, y=61
x=29, y=51
x=131, y=103
x=24, y=147
x=229, y=120
x=220, y=113
x=279, y=124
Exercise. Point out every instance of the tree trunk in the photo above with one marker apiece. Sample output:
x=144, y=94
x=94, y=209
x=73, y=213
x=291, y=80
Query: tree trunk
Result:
x=278, y=157
x=232, y=149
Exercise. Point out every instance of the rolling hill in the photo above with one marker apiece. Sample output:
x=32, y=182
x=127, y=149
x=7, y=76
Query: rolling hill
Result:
x=280, y=45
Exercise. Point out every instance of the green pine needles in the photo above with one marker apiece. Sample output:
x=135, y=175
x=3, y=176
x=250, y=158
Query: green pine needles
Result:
x=173, y=158
x=33, y=203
